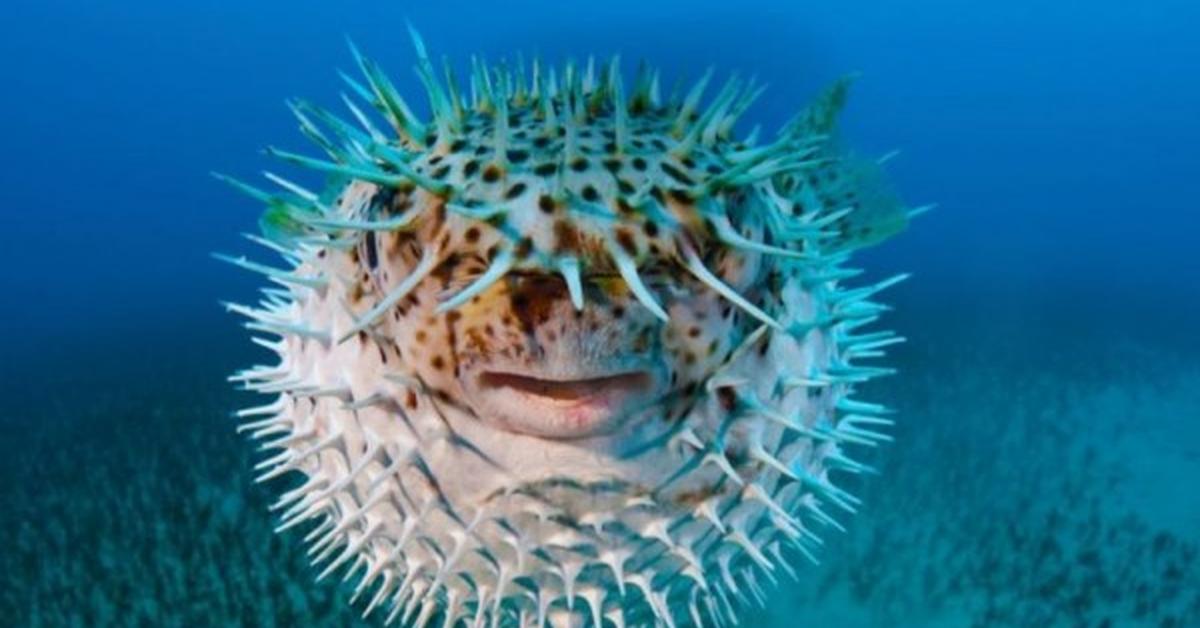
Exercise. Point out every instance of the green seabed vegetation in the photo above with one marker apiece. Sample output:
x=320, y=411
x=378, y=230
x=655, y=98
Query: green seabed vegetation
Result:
x=1034, y=480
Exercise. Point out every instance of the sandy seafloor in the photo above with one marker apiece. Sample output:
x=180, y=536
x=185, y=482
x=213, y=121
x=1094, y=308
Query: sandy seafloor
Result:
x=1044, y=472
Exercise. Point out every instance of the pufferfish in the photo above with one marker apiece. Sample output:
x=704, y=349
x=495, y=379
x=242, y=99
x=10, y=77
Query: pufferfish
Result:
x=561, y=353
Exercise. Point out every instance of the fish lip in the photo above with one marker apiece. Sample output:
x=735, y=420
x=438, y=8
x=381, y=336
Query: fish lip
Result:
x=567, y=389
x=561, y=406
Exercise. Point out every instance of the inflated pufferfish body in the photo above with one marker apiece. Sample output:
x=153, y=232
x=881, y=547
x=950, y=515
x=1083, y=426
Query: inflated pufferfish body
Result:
x=565, y=354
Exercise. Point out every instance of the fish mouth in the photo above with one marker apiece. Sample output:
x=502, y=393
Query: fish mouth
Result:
x=567, y=390
x=562, y=408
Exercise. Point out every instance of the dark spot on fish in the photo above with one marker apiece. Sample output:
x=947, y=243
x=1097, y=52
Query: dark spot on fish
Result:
x=515, y=191
x=524, y=247
x=627, y=241
x=676, y=173
x=681, y=196
x=727, y=398
x=566, y=237
x=372, y=253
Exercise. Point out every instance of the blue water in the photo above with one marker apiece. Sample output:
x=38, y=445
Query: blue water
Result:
x=1055, y=285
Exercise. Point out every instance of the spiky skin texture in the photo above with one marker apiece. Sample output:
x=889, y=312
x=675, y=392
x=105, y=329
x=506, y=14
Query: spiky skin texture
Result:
x=465, y=283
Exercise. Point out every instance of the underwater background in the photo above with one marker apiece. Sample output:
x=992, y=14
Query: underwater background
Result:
x=1046, y=467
